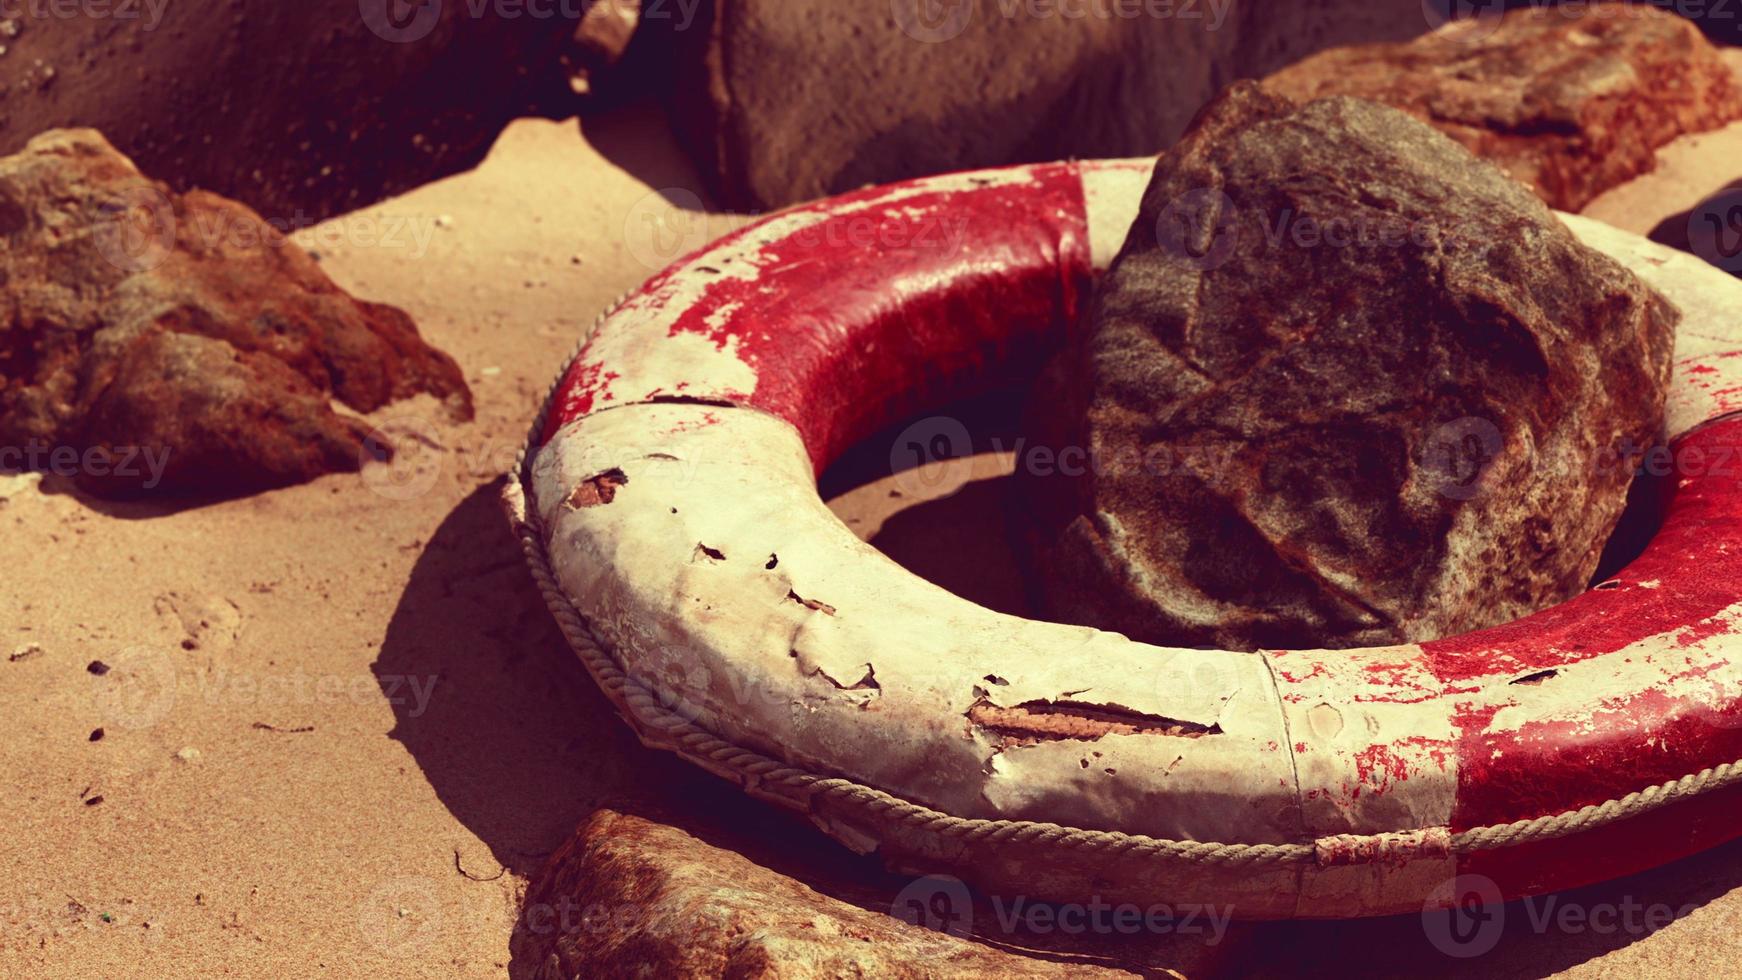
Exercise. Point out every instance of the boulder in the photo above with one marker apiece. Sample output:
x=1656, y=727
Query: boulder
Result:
x=1572, y=100
x=785, y=100
x=1345, y=385
x=156, y=342
x=631, y=897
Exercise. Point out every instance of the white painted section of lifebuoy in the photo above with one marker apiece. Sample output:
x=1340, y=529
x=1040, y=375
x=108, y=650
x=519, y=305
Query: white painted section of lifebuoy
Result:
x=1112, y=195
x=718, y=576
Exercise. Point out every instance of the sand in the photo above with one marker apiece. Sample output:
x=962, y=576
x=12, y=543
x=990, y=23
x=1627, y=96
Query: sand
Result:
x=339, y=729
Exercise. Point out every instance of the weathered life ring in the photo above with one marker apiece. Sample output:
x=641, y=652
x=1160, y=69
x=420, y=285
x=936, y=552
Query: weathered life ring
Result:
x=669, y=511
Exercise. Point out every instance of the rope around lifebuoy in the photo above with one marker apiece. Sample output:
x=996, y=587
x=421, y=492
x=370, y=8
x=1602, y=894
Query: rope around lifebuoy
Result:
x=645, y=712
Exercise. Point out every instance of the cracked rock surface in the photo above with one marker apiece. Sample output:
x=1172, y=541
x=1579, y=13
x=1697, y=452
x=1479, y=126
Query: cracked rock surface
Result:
x=1570, y=100
x=1345, y=385
x=139, y=324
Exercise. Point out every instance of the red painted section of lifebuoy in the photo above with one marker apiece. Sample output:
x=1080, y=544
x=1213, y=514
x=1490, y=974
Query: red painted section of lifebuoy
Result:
x=1681, y=583
x=1650, y=840
x=885, y=304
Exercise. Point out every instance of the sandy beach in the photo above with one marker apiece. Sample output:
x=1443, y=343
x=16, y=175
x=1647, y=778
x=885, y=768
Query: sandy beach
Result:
x=332, y=731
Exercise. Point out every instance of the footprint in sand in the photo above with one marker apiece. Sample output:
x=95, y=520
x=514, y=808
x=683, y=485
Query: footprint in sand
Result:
x=210, y=624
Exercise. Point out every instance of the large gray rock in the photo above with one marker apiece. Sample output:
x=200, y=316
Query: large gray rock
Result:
x=785, y=100
x=1345, y=385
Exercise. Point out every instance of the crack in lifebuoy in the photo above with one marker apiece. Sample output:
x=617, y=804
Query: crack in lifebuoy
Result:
x=1047, y=721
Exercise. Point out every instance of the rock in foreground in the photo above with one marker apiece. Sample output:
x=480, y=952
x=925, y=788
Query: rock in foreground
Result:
x=630, y=897
x=178, y=343
x=1345, y=385
x=1571, y=100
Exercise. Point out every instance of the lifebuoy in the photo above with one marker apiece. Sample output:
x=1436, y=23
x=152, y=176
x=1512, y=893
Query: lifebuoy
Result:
x=668, y=508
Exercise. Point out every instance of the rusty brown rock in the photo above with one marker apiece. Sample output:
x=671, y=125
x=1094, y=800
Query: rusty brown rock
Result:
x=1345, y=385
x=630, y=897
x=140, y=324
x=1570, y=100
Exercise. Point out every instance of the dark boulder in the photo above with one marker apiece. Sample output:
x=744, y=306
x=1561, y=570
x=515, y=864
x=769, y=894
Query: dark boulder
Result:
x=1345, y=385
